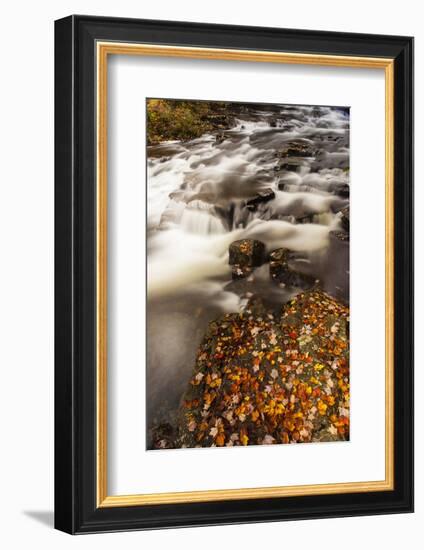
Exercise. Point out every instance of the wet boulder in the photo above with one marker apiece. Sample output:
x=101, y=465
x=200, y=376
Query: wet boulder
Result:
x=265, y=378
x=264, y=195
x=339, y=235
x=256, y=306
x=297, y=149
x=279, y=256
x=220, y=137
x=309, y=218
x=289, y=166
x=244, y=256
x=281, y=273
x=345, y=218
x=163, y=436
x=291, y=277
x=246, y=253
x=221, y=120
x=241, y=271
x=342, y=190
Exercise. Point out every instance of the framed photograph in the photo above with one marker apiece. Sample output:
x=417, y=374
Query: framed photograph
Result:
x=234, y=274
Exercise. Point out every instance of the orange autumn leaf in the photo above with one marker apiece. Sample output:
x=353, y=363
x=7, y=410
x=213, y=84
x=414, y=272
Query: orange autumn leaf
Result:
x=255, y=415
x=220, y=440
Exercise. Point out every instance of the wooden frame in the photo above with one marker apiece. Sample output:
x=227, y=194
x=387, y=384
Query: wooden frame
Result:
x=83, y=45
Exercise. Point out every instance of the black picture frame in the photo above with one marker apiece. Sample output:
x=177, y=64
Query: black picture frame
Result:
x=76, y=508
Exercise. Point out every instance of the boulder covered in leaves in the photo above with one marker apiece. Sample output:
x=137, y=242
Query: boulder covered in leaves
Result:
x=244, y=255
x=246, y=252
x=266, y=379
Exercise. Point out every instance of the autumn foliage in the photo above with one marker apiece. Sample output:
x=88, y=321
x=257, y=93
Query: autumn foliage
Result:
x=169, y=119
x=262, y=378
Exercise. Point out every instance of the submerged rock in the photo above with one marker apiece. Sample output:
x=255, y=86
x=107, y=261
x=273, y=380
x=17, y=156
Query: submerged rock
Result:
x=261, y=378
x=345, y=218
x=342, y=190
x=289, y=166
x=280, y=256
x=309, y=218
x=339, y=235
x=280, y=271
x=297, y=149
x=163, y=436
x=263, y=196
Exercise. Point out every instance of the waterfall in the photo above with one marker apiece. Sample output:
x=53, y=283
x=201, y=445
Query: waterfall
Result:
x=200, y=218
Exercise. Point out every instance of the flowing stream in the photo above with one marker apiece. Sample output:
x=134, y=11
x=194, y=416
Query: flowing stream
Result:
x=197, y=195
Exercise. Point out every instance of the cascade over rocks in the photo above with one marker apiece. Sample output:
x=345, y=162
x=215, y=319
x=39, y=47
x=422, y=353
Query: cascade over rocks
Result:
x=345, y=223
x=264, y=195
x=297, y=149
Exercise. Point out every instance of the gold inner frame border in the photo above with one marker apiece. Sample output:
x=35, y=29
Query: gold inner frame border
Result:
x=103, y=50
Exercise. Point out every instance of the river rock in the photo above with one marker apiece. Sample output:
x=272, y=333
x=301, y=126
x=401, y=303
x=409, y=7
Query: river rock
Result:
x=264, y=195
x=280, y=256
x=289, y=166
x=290, y=277
x=342, y=190
x=246, y=253
x=280, y=272
x=309, y=218
x=345, y=218
x=241, y=271
x=261, y=378
x=297, y=149
x=339, y=235
x=163, y=436
x=256, y=306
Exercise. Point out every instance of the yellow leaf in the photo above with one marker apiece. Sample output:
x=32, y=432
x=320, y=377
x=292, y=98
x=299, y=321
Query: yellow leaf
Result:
x=322, y=407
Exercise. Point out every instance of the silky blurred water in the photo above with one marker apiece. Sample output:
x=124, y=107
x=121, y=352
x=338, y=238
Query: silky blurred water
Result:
x=197, y=193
